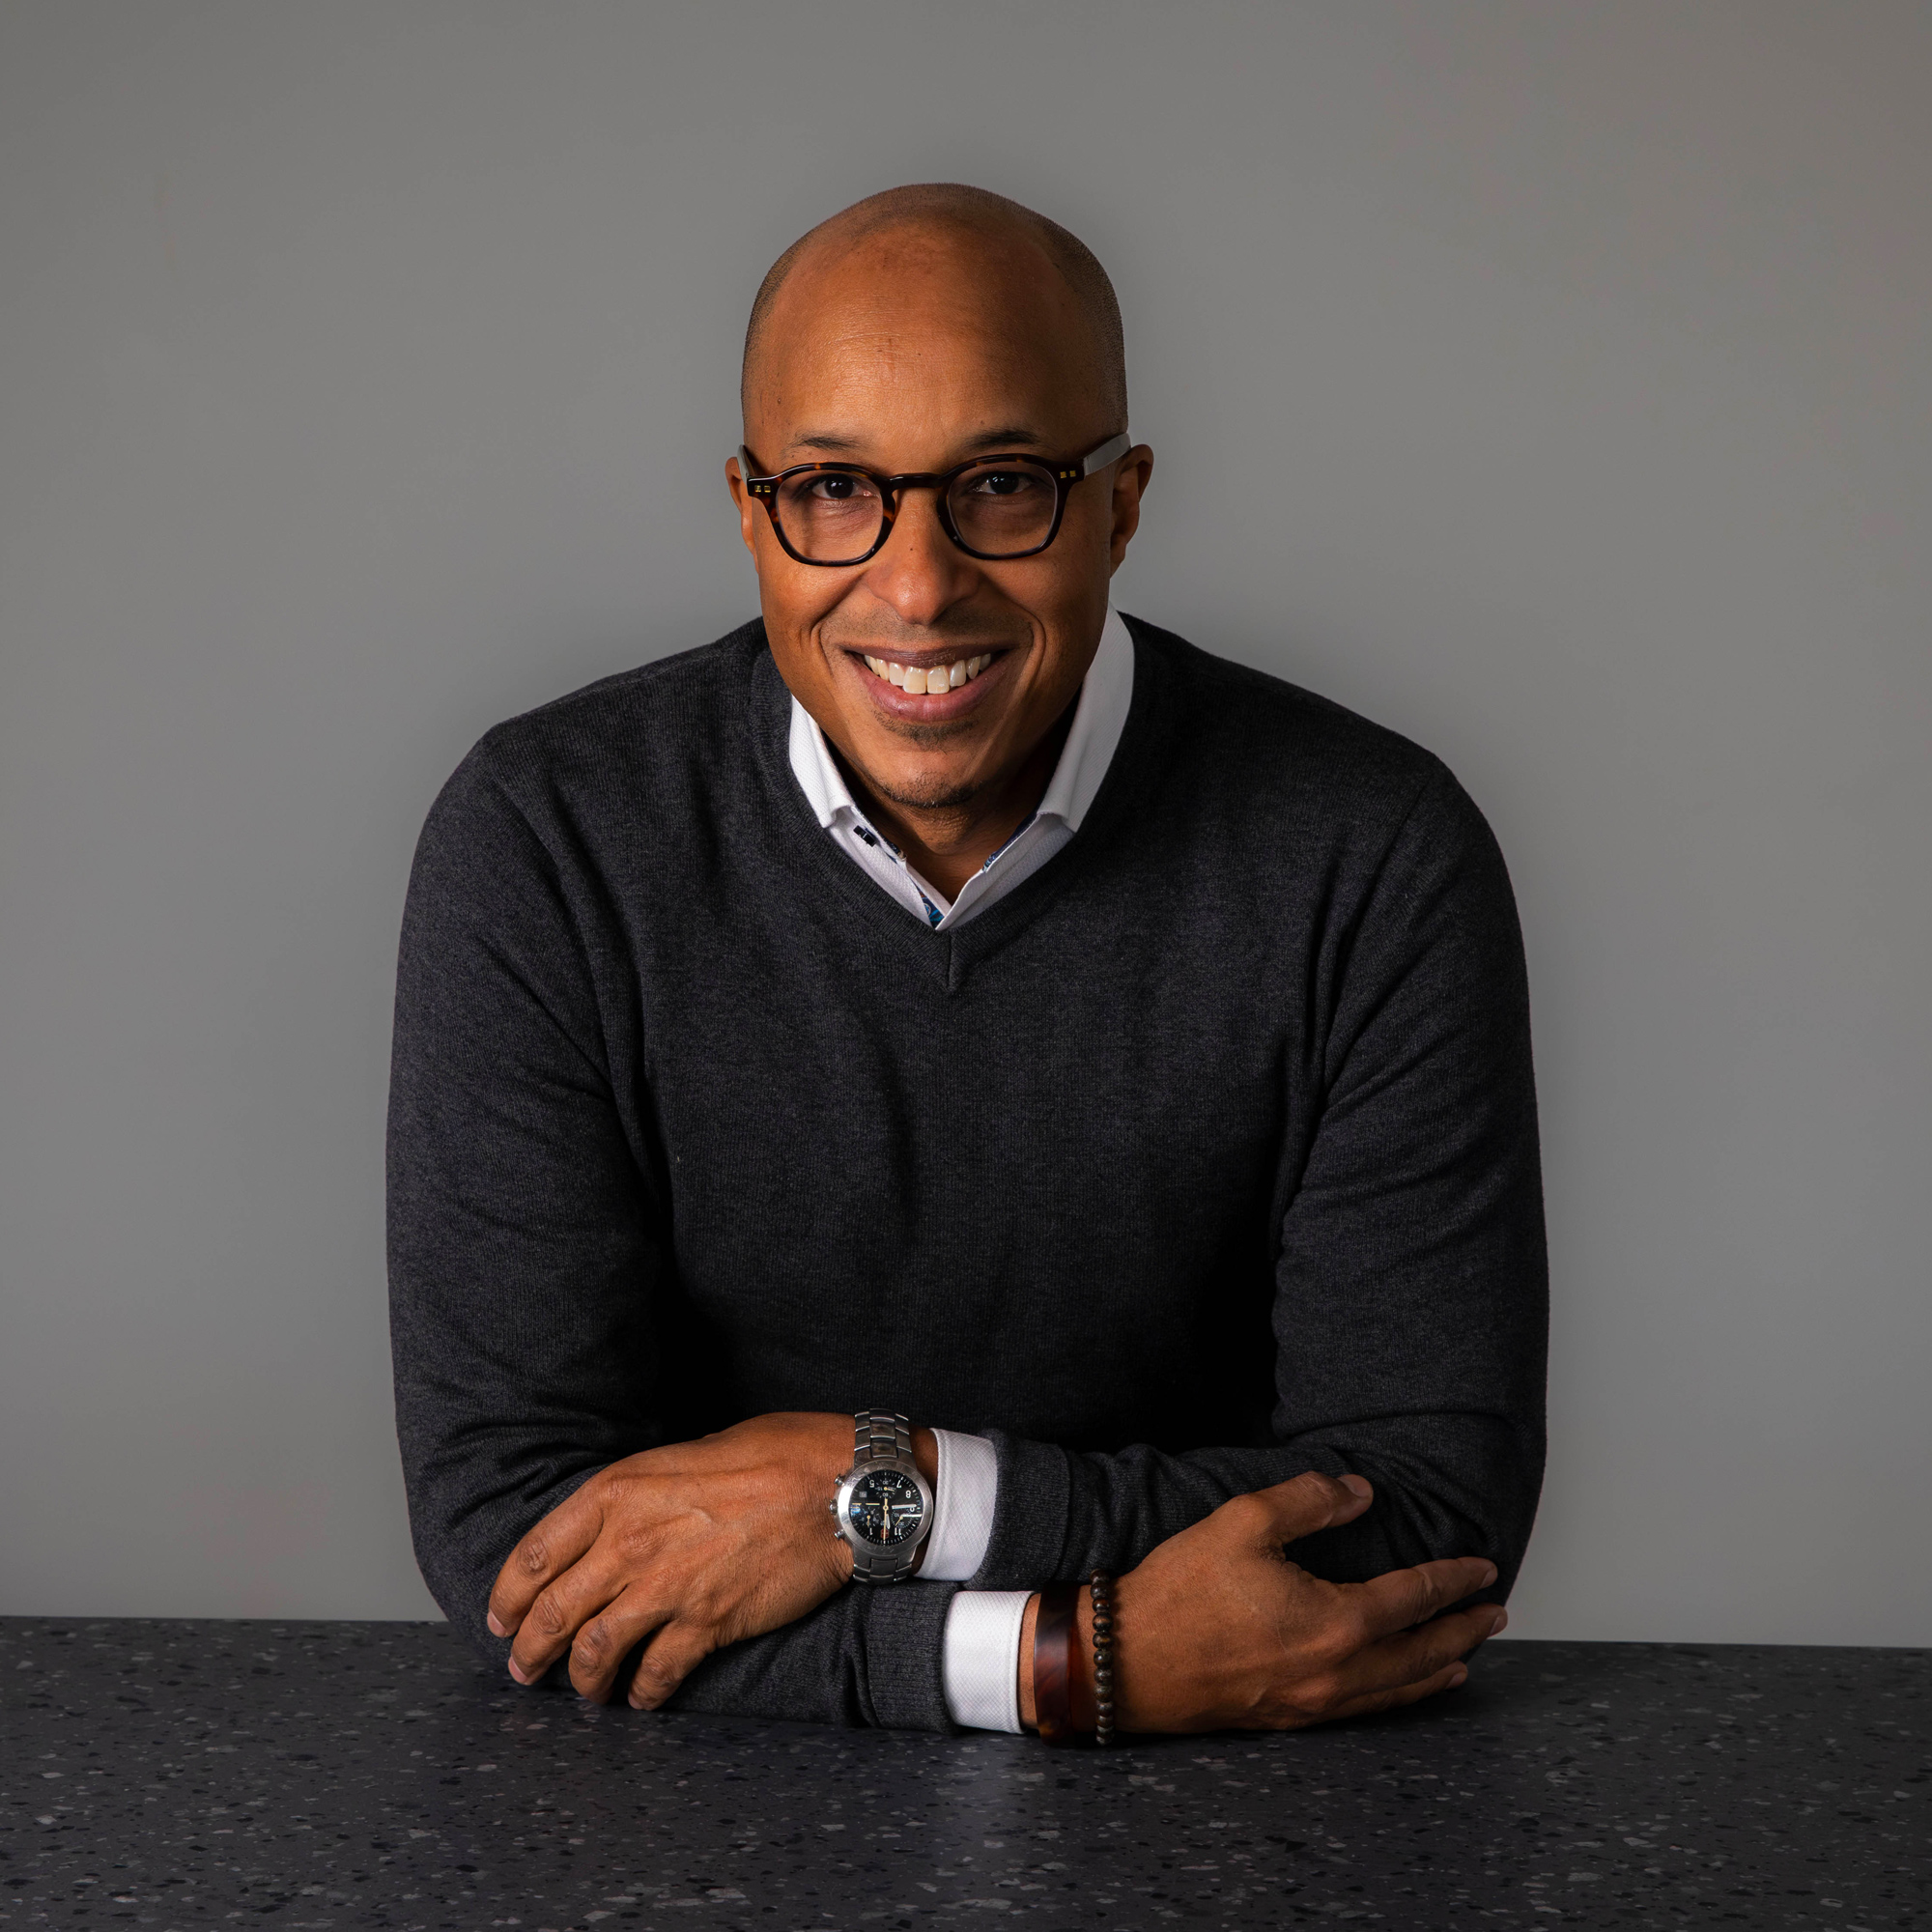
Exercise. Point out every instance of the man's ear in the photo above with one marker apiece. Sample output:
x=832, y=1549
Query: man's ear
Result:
x=1130, y=480
x=747, y=508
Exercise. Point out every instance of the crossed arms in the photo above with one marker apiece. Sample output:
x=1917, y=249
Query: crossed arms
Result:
x=689, y=1548
x=553, y=1482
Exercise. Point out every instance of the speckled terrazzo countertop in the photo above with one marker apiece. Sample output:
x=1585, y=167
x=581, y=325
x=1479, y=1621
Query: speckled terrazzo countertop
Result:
x=370, y=1775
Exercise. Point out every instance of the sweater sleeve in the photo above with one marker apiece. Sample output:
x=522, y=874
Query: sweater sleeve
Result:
x=527, y=1260
x=1411, y=1307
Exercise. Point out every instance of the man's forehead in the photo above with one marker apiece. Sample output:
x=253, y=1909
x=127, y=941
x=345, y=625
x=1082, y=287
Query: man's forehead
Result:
x=919, y=414
x=873, y=302
x=968, y=340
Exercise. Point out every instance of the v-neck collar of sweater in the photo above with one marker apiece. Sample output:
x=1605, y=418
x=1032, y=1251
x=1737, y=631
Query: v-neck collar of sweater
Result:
x=949, y=955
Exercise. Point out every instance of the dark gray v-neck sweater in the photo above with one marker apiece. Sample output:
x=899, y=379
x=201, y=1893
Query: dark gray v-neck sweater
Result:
x=1204, y=1158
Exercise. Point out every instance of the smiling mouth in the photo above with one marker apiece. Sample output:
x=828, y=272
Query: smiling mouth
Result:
x=920, y=680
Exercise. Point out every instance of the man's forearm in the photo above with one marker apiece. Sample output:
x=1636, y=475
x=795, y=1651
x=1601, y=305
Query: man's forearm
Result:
x=1446, y=1485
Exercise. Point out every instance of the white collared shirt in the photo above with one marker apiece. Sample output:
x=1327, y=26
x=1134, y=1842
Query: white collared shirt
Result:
x=979, y=1664
x=1098, y=721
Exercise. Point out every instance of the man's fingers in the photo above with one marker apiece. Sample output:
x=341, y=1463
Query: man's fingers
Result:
x=603, y=1641
x=1445, y=1679
x=1403, y=1597
x=1297, y=1506
x=671, y=1656
x=543, y=1555
x=562, y=1610
x=1417, y=1656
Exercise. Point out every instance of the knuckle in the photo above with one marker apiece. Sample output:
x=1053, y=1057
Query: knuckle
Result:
x=593, y=1643
x=547, y=1615
x=703, y=1605
x=636, y=1542
x=1247, y=1514
x=655, y=1678
x=1324, y=1492
x=1309, y=1701
x=533, y=1556
x=1347, y=1633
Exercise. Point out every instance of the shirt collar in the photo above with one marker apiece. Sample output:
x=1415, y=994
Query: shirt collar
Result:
x=1099, y=718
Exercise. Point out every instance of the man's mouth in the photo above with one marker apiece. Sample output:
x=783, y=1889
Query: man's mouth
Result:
x=918, y=680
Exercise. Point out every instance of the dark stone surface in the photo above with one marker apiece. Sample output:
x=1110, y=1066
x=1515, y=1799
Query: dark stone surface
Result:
x=370, y=1775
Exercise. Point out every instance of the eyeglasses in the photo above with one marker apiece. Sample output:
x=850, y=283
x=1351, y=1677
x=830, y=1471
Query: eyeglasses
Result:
x=993, y=507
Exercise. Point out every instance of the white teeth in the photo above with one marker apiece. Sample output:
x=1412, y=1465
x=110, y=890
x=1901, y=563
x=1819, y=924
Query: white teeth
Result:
x=941, y=677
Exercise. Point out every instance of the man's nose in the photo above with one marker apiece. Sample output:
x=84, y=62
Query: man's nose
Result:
x=921, y=573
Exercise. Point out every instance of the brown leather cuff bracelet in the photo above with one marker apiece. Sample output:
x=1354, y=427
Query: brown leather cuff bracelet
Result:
x=1053, y=1648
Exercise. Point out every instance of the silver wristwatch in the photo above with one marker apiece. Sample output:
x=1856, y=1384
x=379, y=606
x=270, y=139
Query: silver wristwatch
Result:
x=883, y=1506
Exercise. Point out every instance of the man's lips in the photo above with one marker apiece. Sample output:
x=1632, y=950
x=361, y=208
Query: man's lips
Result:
x=928, y=686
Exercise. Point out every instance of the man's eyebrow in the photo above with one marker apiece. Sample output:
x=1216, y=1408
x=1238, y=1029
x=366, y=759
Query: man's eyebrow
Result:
x=1013, y=436
x=1006, y=438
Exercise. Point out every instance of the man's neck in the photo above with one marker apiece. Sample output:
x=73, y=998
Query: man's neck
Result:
x=946, y=844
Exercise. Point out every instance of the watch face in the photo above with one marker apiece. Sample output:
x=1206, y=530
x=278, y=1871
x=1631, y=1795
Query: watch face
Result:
x=886, y=1506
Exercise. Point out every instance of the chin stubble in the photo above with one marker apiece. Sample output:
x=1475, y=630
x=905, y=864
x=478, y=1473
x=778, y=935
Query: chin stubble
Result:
x=932, y=798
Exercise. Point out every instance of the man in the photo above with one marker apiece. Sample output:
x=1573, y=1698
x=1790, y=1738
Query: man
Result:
x=947, y=999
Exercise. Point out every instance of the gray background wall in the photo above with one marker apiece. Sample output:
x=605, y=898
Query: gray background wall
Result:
x=1549, y=382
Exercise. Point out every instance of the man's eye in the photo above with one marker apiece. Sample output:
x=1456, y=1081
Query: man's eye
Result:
x=839, y=489
x=1002, y=485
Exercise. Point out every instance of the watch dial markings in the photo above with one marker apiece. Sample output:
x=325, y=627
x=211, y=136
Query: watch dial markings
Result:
x=886, y=1506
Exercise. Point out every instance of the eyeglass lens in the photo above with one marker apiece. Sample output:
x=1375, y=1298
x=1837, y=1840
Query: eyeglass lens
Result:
x=1001, y=509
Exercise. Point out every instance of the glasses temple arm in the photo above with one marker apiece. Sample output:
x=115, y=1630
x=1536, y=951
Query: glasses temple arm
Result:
x=1115, y=447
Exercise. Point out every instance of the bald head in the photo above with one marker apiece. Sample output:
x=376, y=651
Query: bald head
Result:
x=967, y=223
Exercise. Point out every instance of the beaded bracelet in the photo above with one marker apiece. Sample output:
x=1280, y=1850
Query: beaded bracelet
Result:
x=1102, y=1587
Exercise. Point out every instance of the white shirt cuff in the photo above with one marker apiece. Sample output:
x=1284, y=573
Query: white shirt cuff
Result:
x=962, y=1507
x=980, y=1662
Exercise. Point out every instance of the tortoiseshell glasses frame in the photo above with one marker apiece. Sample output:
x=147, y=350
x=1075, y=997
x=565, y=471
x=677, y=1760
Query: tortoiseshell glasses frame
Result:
x=1063, y=475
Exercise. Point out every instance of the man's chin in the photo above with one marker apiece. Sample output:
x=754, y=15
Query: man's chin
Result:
x=939, y=780
x=921, y=793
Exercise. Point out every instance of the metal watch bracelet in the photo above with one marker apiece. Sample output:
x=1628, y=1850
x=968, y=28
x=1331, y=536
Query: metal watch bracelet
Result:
x=882, y=1441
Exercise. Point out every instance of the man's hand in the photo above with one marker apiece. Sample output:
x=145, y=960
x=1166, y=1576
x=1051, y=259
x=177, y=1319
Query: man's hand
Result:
x=692, y=1545
x=1219, y=1631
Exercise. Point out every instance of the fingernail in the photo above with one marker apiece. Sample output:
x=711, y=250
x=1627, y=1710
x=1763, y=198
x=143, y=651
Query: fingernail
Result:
x=637, y=1702
x=517, y=1671
x=1458, y=1679
x=1501, y=1622
x=1489, y=1576
x=496, y=1628
x=1357, y=1486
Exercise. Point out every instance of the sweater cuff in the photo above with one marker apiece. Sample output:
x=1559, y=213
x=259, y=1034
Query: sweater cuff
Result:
x=1029, y=1515
x=905, y=1638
